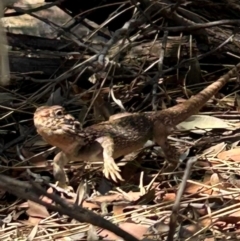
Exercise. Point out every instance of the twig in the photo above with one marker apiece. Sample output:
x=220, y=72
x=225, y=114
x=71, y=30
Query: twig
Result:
x=160, y=70
x=176, y=206
x=33, y=191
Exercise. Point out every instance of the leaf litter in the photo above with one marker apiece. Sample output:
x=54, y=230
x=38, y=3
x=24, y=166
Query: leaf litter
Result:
x=142, y=204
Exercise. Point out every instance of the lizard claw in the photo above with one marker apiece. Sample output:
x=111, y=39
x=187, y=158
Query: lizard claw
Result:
x=111, y=170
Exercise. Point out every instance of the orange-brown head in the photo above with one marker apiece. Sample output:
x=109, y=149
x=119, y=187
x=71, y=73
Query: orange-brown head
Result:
x=58, y=128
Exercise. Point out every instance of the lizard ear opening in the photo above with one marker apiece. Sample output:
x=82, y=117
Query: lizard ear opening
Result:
x=77, y=125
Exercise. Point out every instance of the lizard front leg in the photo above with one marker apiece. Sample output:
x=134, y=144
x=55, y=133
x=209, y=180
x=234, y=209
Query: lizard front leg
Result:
x=110, y=167
x=59, y=161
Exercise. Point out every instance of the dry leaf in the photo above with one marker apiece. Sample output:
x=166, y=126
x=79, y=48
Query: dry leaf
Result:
x=194, y=75
x=214, y=179
x=214, y=150
x=233, y=154
x=37, y=210
x=37, y=161
x=137, y=230
x=33, y=233
x=203, y=122
x=55, y=98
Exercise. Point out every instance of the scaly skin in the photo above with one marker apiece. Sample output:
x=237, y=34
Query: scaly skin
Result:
x=119, y=136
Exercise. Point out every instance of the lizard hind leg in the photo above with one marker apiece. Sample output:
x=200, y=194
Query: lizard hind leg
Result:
x=171, y=153
x=160, y=133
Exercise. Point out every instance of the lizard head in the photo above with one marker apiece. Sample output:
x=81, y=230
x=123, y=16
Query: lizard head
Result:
x=58, y=128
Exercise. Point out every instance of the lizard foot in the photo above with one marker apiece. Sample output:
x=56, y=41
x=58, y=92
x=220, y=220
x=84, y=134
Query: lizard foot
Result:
x=111, y=170
x=64, y=186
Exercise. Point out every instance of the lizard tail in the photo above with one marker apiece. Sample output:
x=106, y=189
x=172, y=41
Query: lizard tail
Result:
x=176, y=114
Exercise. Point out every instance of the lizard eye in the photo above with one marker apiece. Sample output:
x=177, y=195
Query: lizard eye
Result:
x=59, y=113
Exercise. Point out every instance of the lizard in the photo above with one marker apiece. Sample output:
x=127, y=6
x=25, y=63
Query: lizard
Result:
x=119, y=136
